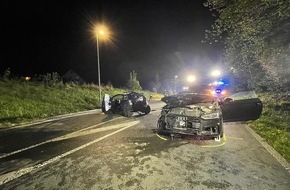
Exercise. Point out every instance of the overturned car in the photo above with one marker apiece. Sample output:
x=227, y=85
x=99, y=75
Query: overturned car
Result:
x=125, y=104
x=200, y=114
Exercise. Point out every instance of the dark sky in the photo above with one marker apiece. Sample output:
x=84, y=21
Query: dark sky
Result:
x=149, y=37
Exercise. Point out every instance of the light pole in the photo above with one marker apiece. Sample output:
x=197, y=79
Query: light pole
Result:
x=99, y=72
x=98, y=33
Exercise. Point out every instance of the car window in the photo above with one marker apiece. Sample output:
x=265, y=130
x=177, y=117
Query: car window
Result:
x=244, y=95
x=118, y=97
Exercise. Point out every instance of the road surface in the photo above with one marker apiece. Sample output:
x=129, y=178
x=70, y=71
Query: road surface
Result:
x=98, y=151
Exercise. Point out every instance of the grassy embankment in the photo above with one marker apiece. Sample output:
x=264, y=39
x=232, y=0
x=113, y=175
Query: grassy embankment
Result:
x=22, y=101
x=274, y=123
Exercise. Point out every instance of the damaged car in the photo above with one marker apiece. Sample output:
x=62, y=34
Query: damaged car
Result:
x=125, y=104
x=202, y=115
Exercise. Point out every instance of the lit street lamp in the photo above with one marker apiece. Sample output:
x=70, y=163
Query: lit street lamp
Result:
x=216, y=73
x=191, y=78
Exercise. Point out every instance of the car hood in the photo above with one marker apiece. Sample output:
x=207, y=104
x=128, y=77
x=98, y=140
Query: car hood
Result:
x=195, y=110
x=186, y=99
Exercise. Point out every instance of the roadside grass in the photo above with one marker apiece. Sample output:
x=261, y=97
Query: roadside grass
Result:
x=22, y=101
x=274, y=123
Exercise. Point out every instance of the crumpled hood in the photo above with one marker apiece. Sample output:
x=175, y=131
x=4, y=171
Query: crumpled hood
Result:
x=193, y=111
x=186, y=99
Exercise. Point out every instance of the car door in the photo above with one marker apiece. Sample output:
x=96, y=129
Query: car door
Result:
x=241, y=109
x=106, y=103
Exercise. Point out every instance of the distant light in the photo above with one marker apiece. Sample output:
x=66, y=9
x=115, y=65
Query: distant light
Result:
x=175, y=76
x=216, y=73
x=27, y=78
x=102, y=32
x=185, y=88
x=216, y=83
x=191, y=78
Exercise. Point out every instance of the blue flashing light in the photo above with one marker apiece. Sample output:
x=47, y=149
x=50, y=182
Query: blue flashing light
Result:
x=218, y=91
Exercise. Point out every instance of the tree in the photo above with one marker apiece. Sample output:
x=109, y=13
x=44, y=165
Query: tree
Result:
x=6, y=74
x=133, y=83
x=256, y=35
x=156, y=84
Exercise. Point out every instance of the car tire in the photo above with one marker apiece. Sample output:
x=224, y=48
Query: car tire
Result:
x=127, y=109
x=103, y=108
x=221, y=130
x=161, y=124
x=147, y=109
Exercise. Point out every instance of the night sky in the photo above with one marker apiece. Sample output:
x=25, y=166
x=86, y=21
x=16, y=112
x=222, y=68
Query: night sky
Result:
x=149, y=37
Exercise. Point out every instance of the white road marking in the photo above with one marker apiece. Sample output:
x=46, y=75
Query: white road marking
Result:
x=55, y=118
x=16, y=174
x=55, y=139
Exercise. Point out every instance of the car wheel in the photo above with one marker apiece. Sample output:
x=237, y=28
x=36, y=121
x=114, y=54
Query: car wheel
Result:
x=161, y=124
x=221, y=130
x=147, y=109
x=127, y=109
x=103, y=107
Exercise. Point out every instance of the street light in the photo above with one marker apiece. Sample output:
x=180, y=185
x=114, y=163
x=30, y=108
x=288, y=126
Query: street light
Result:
x=191, y=78
x=216, y=73
x=99, y=31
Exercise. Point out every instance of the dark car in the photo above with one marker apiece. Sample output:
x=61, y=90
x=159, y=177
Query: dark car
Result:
x=202, y=115
x=125, y=104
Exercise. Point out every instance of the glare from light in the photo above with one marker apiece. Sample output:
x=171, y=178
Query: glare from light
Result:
x=102, y=32
x=216, y=73
x=27, y=78
x=191, y=78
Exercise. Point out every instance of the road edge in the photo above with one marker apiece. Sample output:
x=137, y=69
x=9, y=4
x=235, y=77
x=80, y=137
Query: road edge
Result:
x=54, y=118
x=270, y=149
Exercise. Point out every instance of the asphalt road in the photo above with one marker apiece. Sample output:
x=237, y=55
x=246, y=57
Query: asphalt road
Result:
x=98, y=151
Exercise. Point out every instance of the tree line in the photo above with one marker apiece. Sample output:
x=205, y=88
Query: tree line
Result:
x=256, y=37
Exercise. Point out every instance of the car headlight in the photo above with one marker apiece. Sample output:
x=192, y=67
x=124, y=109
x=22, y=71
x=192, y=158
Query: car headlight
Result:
x=210, y=116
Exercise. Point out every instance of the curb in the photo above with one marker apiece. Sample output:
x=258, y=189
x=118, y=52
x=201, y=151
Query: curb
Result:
x=54, y=118
x=270, y=149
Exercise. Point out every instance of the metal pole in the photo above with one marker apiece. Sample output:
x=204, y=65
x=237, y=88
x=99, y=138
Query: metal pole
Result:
x=99, y=72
